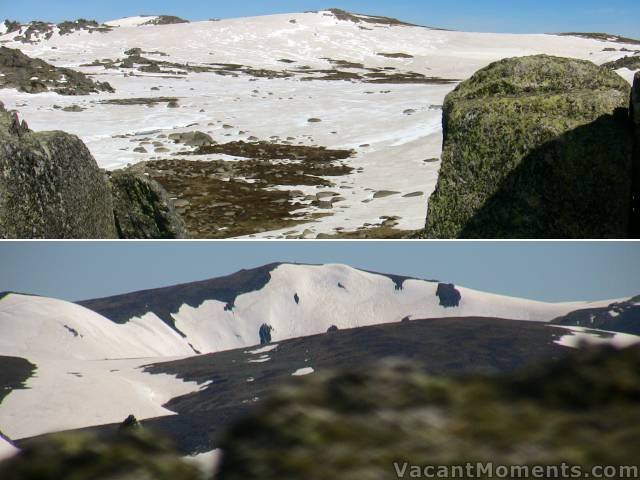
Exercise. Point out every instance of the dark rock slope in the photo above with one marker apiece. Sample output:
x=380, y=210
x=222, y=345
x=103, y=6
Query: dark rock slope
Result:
x=621, y=317
x=50, y=185
x=32, y=75
x=535, y=147
x=583, y=410
x=635, y=123
x=143, y=209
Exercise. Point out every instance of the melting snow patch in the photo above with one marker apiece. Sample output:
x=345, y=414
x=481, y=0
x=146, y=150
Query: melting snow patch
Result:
x=303, y=371
x=266, y=349
x=205, y=385
x=580, y=336
x=262, y=359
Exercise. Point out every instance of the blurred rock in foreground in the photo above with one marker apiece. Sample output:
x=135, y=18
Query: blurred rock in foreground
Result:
x=584, y=410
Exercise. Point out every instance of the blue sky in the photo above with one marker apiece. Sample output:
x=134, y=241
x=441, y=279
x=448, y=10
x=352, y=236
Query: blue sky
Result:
x=553, y=271
x=612, y=16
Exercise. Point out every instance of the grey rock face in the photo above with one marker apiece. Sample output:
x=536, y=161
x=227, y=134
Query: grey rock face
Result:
x=635, y=124
x=143, y=209
x=192, y=139
x=50, y=185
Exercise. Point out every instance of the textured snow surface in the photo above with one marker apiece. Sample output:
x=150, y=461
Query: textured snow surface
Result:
x=53, y=328
x=65, y=394
x=352, y=114
x=327, y=295
x=131, y=21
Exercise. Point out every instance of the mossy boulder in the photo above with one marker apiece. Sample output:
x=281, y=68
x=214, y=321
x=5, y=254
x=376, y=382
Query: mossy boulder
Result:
x=634, y=110
x=143, y=209
x=50, y=185
x=132, y=455
x=583, y=410
x=535, y=147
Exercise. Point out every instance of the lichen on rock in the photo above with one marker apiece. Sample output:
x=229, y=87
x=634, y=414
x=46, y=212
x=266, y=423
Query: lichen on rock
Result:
x=143, y=209
x=634, y=111
x=50, y=185
x=33, y=75
x=535, y=147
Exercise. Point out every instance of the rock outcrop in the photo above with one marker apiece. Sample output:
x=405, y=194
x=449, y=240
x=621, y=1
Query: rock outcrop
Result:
x=634, y=111
x=166, y=20
x=583, y=410
x=192, y=139
x=535, y=147
x=32, y=75
x=50, y=185
x=143, y=209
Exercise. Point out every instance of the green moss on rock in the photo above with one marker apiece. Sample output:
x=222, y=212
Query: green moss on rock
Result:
x=135, y=455
x=50, y=185
x=535, y=147
x=143, y=209
x=634, y=110
x=583, y=410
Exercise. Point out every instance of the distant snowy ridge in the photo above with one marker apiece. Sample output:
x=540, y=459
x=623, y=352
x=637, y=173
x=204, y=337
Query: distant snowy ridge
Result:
x=135, y=21
x=297, y=301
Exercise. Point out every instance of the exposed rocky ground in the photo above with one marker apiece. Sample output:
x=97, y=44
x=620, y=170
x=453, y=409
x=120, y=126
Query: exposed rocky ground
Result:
x=166, y=20
x=605, y=37
x=218, y=199
x=620, y=317
x=582, y=410
x=15, y=372
x=36, y=31
x=32, y=75
x=630, y=62
x=535, y=147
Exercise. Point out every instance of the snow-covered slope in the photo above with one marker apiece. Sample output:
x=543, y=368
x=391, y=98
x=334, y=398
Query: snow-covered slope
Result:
x=394, y=128
x=302, y=300
x=89, y=369
x=136, y=21
x=297, y=300
x=45, y=327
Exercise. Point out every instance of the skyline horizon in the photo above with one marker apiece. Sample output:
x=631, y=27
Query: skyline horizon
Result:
x=497, y=16
x=544, y=272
